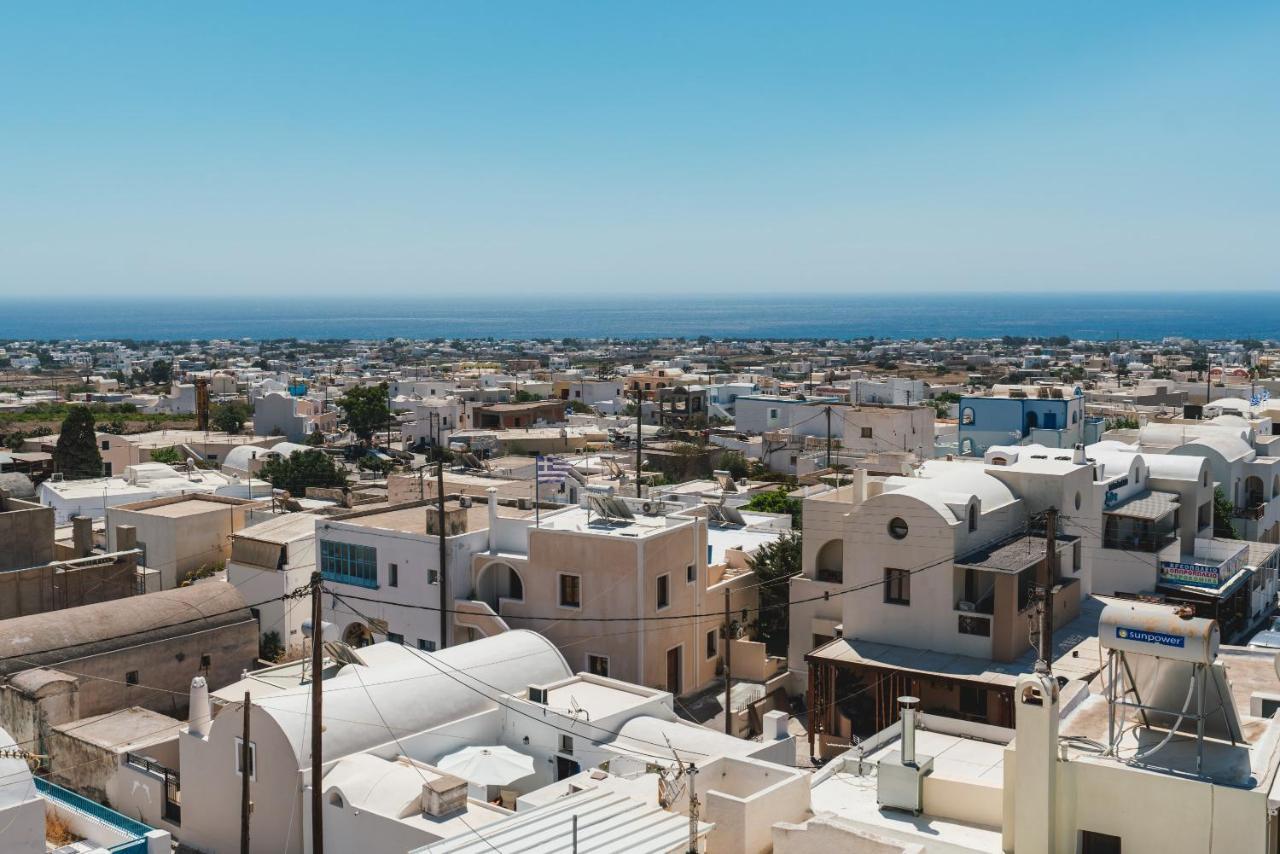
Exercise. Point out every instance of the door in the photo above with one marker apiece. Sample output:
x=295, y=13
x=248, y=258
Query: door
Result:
x=673, y=670
x=566, y=767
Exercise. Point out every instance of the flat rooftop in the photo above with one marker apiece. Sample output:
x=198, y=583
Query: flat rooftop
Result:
x=412, y=519
x=125, y=730
x=1012, y=554
x=598, y=698
x=285, y=528
x=181, y=506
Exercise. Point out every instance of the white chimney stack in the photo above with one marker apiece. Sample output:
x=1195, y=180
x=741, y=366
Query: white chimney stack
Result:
x=859, y=485
x=493, y=519
x=908, y=729
x=198, y=716
x=1078, y=456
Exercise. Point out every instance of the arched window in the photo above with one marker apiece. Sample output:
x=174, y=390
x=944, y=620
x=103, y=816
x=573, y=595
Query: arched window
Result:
x=973, y=517
x=966, y=415
x=830, y=561
x=498, y=581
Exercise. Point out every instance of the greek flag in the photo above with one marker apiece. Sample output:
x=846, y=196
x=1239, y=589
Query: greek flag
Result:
x=1255, y=400
x=552, y=469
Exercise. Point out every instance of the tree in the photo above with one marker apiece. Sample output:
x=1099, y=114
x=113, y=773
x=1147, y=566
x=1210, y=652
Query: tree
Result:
x=230, y=417
x=76, y=455
x=523, y=396
x=774, y=564
x=169, y=456
x=302, y=469
x=735, y=464
x=161, y=372
x=776, y=501
x=1223, y=510
x=315, y=439
x=367, y=409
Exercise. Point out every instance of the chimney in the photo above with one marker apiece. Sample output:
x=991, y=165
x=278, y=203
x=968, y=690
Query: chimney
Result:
x=82, y=535
x=493, y=519
x=126, y=538
x=1035, y=764
x=908, y=729
x=859, y=485
x=1077, y=456
x=444, y=795
x=198, y=715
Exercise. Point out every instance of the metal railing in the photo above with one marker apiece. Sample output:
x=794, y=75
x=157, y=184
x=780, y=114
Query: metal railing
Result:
x=105, y=815
x=1251, y=511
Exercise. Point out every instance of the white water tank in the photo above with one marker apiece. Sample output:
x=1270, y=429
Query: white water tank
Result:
x=1159, y=630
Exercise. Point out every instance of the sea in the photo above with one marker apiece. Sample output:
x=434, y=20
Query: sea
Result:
x=1091, y=316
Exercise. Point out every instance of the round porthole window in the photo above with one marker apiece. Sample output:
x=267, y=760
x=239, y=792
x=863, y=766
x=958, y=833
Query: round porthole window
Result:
x=897, y=527
x=1077, y=501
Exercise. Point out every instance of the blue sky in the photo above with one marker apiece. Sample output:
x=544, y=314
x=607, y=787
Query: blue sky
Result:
x=481, y=148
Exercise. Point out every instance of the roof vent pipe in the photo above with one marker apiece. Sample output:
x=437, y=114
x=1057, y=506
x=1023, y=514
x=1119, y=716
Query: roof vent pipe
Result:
x=908, y=705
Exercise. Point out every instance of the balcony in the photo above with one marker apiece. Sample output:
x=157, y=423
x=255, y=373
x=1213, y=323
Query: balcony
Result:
x=1251, y=511
x=1149, y=542
x=100, y=825
x=830, y=576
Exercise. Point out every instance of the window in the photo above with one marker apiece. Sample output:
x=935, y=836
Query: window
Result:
x=433, y=576
x=773, y=415
x=898, y=528
x=973, y=517
x=566, y=745
x=691, y=573
x=1092, y=842
x=598, y=665
x=711, y=644
x=426, y=645
x=206, y=661
x=211, y=457
x=131, y=678
x=897, y=586
x=1075, y=557
x=253, y=758
x=973, y=702
x=393, y=575
x=866, y=432
x=106, y=444
x=966, y=416
x=1026, y=581
x=979, y=626
x=664, y=591
x=570, y=591
x=395, y=638
x=349, y=564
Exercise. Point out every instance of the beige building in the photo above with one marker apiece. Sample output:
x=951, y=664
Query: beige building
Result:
x=181, y=533
x=639, y=599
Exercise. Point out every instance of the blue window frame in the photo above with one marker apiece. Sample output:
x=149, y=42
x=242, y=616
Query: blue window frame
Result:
x=349, y=564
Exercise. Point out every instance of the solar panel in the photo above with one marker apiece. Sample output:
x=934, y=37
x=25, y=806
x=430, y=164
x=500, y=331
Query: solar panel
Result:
x=725, y=480
x=731, y=515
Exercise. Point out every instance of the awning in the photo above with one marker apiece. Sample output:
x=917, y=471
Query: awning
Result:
x=1148, y=504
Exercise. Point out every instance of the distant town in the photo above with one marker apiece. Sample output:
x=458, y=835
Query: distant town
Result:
x=639, y=595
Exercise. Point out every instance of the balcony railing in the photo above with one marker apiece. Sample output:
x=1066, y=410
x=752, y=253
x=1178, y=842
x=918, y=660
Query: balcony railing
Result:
x=1150, y=543
x=120, y=823
x=1251, y=511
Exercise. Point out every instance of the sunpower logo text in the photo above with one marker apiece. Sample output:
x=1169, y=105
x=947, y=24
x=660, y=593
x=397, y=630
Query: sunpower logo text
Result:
x=1143, y=636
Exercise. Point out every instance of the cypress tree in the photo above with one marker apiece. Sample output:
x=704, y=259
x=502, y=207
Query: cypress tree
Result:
x=76, y=455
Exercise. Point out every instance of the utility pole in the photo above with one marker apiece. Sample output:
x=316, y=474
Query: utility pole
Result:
x=639, y=437
x=244, y=780
x=829, y=436
x=388, y=418
x=444, y=554
x=693, y=809
x=317, y=728
x=728, y=669
x=1044, y=659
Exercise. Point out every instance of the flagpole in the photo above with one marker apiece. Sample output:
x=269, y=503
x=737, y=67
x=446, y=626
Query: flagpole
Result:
x=537, y=484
